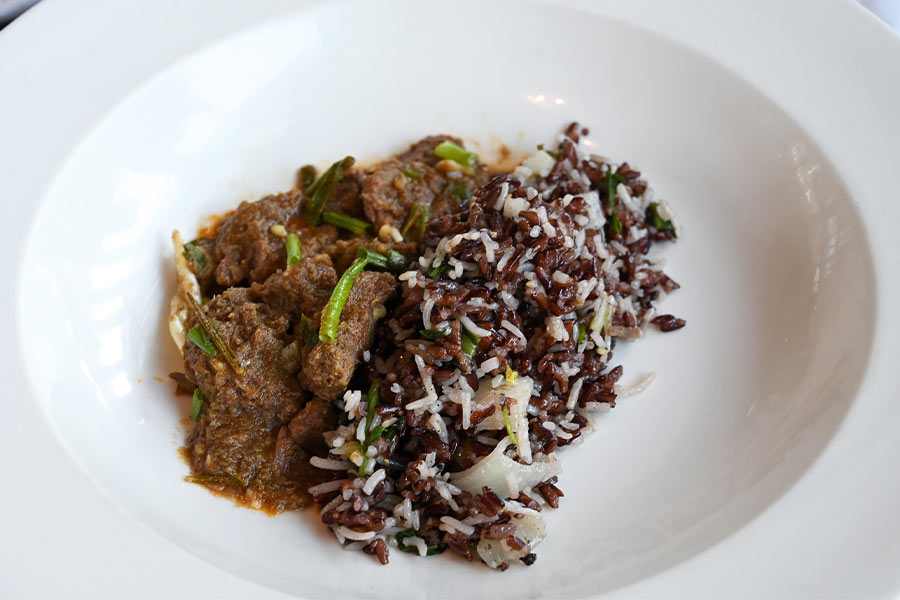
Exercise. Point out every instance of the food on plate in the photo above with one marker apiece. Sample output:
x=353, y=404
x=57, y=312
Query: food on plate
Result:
x=408, y=345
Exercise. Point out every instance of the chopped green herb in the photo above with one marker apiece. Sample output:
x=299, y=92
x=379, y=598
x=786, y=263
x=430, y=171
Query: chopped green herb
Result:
x=612, y=182
x=391, y=431
x=657, y=221
x=201, y=339
x=349, y=223
x=430, y=550
x=292, y=247
x=307, y=332
x=457, y=154
x=306, y=177
x=412, y=173
x=462, y=192
x=372, y=401
x=217, y=338
x=196, y=255
x=379, y=432
x=553, y=153
x=323, y=188
x=432, y=334
x=331, y=314
x=509, y=431
x=396, y=261
x=197, y=404
x=416, y=222
x=582, y=333
x=393, y=260
x=374, y=434
x=435, y=272
x=226, y=480
x=469, y=342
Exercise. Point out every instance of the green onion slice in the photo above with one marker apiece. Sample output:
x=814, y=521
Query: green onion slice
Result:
x=412, y=173
x=347, y=222
x=416, y=222
x=396, y=260
x=458, y=154
x=197, y=404
x=331, y=314
x=307, y=176
x=582, y=333
x=553, y=153
x=217, y=338
x=226, y=480
x=612, y=181
x=469, y=342
x=462, y=192
x=392, y=260
x=201, y=339
x=323, y=188
x=435, y=272
x=372, y=401
x=509, y=430
x=433, y=334
x=196, y=255
x=430, y=550
x=292, y=247
x=657, y=221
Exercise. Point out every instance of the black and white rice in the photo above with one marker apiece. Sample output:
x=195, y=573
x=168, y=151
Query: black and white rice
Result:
x=536, y=278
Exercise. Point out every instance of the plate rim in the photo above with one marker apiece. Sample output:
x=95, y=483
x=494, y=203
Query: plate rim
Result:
x=35, y=155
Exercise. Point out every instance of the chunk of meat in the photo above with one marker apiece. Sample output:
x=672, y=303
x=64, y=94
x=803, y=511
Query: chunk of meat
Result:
x=346, y=197
x=303, y=288
x=343, y=252
x=306, y=428
x=236, y=434
x=248, y=251
x=388, y=193
x=202, y=260
x=423, y=150
x=301, y=439
x=245, y=247
x=327, y=368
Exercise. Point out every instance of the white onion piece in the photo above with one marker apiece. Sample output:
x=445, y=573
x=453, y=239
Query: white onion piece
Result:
x=493, y=469
x=187, y=283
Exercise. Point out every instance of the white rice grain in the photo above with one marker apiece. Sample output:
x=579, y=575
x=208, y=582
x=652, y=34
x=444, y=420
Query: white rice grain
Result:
x=574, y=392
x=330, y=464
x=489, y=365
x=513, y=329
x=351, y=400
x=449, y=524
x=327, y=487
x=354, y=535
x=474, y=329
x=373, y=480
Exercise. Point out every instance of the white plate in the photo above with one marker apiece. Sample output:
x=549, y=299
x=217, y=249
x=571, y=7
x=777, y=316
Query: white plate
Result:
x=761, y=461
